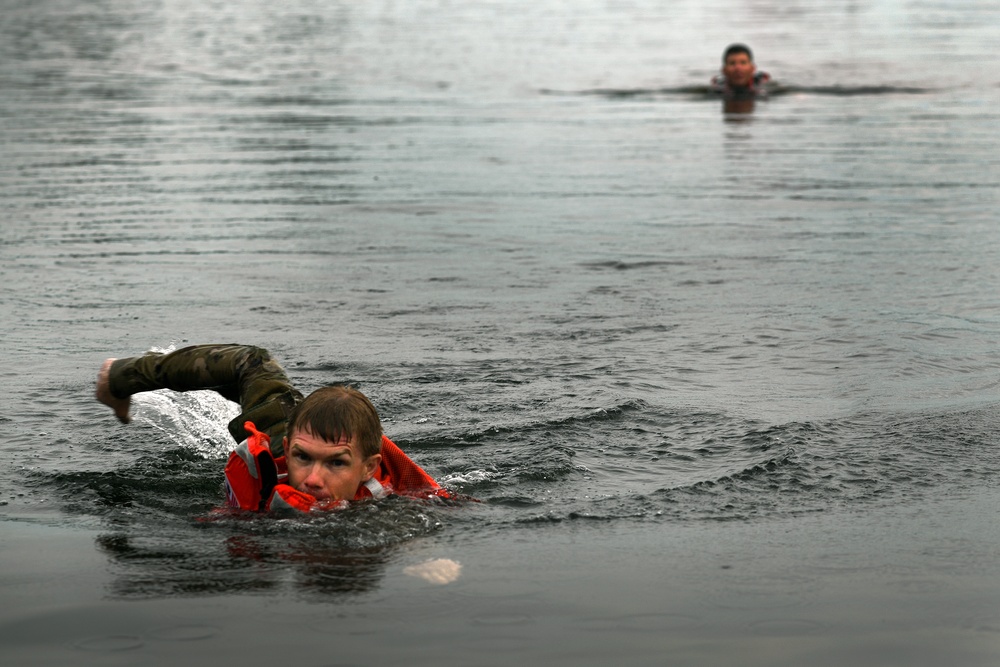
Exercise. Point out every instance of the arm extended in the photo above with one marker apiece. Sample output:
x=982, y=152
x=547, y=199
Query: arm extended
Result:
x=241, y=373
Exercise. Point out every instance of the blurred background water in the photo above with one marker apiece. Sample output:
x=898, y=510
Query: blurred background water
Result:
x=574, y=286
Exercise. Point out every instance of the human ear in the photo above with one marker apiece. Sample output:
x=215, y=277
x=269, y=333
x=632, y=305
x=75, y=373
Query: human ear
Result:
x=371, y=465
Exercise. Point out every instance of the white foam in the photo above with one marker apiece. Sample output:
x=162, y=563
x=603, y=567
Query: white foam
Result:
x=197, y=420
x=470, y=477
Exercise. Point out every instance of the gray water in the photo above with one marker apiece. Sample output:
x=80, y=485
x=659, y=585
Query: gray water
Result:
x=724, y=385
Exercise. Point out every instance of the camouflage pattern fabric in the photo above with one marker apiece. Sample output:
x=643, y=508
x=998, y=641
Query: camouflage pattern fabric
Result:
x=241, y=373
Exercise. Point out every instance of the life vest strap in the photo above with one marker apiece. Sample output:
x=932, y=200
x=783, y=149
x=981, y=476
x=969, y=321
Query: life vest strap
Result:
x=376, y=488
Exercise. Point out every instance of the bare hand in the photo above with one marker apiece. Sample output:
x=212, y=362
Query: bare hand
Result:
x=103, y=394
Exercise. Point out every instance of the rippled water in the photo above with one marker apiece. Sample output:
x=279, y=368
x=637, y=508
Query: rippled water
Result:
x=575, y=287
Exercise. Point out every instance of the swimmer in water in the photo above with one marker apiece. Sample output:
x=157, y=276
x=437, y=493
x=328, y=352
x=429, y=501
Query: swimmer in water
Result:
x=739, y=78
x=303, y=453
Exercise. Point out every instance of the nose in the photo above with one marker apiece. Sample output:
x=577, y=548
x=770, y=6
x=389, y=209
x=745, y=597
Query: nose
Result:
x=313, y=480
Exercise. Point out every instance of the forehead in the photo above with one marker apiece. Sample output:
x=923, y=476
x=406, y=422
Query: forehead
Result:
x=305, y=439
x=738, y=57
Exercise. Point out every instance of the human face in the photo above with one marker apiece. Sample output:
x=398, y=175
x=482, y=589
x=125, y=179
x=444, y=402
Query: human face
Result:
x=739, y=69
x=328, y=471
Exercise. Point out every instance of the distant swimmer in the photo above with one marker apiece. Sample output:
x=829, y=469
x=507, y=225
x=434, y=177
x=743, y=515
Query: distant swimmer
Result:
x=739, y=77
x=294, y=452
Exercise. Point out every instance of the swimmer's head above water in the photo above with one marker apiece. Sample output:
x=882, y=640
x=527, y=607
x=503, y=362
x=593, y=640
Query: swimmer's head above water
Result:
x=333, y=444
x=739, y=78
x=738, y=66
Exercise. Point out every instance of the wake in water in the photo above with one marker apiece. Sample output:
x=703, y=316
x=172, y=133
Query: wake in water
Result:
x=524, y=448
x=630, y=460
x=773, y=90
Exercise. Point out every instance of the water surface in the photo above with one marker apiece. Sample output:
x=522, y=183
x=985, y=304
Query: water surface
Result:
x=723, y=383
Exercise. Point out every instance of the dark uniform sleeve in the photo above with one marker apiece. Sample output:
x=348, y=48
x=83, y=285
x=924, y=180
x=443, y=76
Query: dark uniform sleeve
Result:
x=241, y=373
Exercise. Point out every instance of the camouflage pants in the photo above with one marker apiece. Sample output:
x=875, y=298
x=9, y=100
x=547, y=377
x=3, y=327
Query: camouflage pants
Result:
x=241, y=373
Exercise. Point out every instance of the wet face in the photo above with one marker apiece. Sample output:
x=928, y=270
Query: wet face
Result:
x=739, y=70
x=327, y=470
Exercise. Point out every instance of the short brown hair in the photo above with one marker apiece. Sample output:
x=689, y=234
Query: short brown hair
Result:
x=338, y=412
x=737, y=48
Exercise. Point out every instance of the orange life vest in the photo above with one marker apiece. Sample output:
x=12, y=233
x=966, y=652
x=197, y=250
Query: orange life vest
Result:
x=256, y=481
